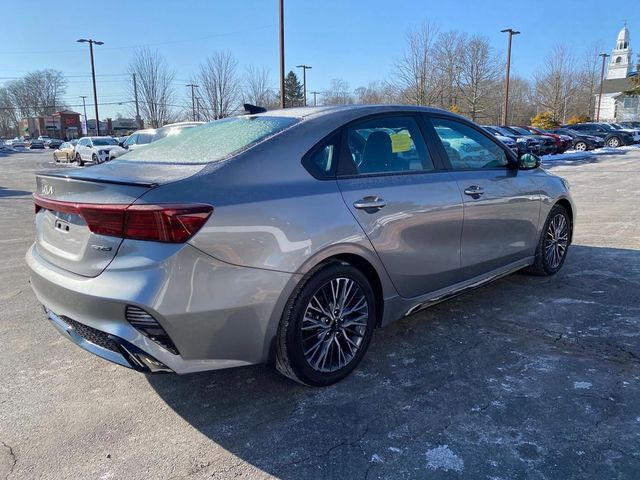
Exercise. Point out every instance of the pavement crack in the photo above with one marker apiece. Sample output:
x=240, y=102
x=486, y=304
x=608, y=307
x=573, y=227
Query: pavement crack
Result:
x=13, y=457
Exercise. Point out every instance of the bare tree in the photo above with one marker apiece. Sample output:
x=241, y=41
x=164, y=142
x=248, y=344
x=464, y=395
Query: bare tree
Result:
x=556, y=82
x=448, y=54
x=37, y=93
x=258, y=89
x=479, y=76
x=219, y=85
x=521, y=102
x=376, y=92
x=8, y=117
x=155, y=87
x=338, y=93
x=584, y=103
x=415, y=74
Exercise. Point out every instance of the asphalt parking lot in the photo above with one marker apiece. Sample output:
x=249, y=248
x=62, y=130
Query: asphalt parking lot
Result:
x=525, y=378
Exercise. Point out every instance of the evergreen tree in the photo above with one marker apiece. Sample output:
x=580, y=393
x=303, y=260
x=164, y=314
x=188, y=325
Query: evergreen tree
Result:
x=634, y=91
x=293, y=96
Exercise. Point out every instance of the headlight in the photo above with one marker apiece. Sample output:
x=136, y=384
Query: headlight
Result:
x=521, y=140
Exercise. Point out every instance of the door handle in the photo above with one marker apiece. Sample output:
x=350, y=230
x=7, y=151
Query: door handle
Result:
x=370, y=202
x=474, y=190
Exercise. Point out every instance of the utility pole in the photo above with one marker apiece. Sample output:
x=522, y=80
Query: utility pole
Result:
x=84, y=107
x=604, y=59
x=193, y=99
x=91, y=42
x=198, y=108
x=135, y=94
x=281, y=15
x=505, y=108
x=314, y=98
x=304, y=80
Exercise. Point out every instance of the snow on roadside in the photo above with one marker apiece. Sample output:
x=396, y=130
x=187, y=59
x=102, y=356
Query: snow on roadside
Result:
x=576, y=155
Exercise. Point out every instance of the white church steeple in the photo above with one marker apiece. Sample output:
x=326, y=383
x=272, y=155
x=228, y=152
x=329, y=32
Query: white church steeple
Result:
x=620, y=65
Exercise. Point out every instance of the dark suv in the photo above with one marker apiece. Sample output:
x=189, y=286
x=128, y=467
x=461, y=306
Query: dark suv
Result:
x=611, y=136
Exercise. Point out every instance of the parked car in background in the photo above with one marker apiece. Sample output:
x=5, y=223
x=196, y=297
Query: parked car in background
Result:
x=612, y=137
x=634, y=132
x=97, y=150
x=547, y=144
x=525, y=144
x=581, y=142
x=630, y=124
x=563, y=143
x=17, y=143
x=141, y=137
x=65, y=153
x=53, y=143
x=36, y=144
x=325, y=227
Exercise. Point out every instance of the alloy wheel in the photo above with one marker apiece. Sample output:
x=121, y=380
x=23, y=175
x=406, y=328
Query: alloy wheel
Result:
x=581, y=146
x=556, y=241
x=334, y=325
x=614, y=142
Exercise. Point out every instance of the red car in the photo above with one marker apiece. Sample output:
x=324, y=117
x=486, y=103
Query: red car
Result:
x=562, y=144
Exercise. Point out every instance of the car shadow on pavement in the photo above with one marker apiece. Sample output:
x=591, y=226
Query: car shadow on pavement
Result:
x=6, y=192
x=508, y=378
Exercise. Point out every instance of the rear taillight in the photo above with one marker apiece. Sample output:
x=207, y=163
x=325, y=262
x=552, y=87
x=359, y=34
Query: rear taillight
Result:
x=169, y=223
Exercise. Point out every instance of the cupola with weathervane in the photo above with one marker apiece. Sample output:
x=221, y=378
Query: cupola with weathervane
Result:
x=620, y=65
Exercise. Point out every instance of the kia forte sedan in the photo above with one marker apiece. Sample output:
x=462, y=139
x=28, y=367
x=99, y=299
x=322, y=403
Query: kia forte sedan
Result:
x=287, y=237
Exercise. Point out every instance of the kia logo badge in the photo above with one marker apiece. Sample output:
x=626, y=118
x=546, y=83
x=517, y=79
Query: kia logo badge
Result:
x=47, y=190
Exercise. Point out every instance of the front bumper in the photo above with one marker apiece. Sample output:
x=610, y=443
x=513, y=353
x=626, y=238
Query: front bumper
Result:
x=218, y=315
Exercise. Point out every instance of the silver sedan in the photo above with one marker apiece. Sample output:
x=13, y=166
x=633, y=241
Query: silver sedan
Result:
x=287, y=237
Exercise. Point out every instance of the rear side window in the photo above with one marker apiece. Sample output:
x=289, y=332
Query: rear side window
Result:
x=211, y=142
x=387, y=145
x=321, y=160
x=467, y=148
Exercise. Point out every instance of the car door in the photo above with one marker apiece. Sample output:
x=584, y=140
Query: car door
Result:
x=501, y=203
x=409, y=207
x=87, y=151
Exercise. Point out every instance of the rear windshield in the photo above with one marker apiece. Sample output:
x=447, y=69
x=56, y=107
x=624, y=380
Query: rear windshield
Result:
x=211, y=142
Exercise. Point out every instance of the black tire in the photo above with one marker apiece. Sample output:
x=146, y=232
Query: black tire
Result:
x=95, y=159
x=55, y=157
x=79, y=160
x=67, y=157
x=290, y=357
x=614, y=142
x=542, y=266
x=581, y=146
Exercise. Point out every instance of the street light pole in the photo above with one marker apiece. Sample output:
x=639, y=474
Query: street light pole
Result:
x=604, y=58
x=135, y=94
x=281, y=15
x=304, y=80
x=84, y=107
x=91, y=42
x=505, y=108
x=314, y=97
x=193, y=99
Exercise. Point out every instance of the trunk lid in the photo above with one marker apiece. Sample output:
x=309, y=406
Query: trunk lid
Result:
x=64, y=239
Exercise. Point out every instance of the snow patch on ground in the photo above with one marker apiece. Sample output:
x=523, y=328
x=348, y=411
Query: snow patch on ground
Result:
x=582, y=385
x=576, y=155
x=442, y=458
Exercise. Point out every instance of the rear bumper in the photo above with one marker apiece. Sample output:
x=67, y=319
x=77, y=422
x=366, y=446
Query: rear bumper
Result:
x=106, y=346
x=218, y=315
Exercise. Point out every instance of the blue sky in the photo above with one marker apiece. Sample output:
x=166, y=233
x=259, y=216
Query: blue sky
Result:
x=353, y=40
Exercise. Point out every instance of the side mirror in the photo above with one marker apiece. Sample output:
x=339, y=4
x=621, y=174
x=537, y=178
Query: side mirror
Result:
x=529, y=161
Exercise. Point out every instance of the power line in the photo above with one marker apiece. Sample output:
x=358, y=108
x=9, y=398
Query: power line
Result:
x=143, y=45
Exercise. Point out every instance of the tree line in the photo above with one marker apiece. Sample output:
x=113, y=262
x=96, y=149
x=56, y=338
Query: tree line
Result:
x=446, y=69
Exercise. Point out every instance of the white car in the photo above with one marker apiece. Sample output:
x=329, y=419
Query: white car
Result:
x=97, y=150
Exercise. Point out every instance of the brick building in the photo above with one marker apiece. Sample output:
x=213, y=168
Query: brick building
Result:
x=64, y=124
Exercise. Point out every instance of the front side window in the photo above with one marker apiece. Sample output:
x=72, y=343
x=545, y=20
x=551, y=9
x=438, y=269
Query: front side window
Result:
x=388, y=145
x=103, y=142
x=144, y=138
x=467, y=148
x=211, y=142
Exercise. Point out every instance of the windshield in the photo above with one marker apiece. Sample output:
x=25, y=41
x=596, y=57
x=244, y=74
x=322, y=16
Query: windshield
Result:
x=103, y=142
x=521, y=130
x=503, y=131
x=211, y=142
